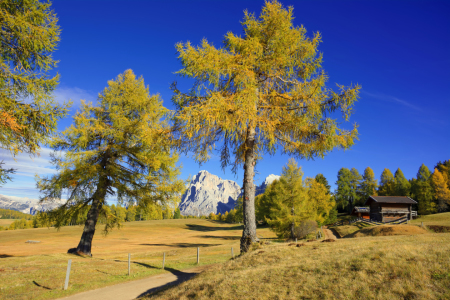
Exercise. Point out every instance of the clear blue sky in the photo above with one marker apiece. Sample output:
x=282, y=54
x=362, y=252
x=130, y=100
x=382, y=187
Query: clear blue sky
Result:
x=398, y=51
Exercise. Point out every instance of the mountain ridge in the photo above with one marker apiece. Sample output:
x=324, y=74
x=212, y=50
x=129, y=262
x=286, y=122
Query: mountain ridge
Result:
x=208, y=193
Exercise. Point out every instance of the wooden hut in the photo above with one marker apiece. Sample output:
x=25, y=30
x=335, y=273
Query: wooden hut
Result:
x=361, y=212
x=390, y=208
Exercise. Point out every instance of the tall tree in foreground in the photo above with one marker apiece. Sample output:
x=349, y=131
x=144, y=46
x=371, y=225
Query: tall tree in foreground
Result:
x=28, y=113
x=114, y=149
x=387, y=183
x=368, y=185
x=261, y=91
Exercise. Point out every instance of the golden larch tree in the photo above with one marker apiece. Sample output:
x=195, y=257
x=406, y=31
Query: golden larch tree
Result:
x=260, y=92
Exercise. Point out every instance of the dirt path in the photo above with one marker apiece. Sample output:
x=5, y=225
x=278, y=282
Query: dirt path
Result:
x=138, y=288
x=329, y=234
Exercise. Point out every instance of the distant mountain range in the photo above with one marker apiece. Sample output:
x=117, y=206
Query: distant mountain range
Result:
x=205, y=194
x=25, y=205
x=208, y=193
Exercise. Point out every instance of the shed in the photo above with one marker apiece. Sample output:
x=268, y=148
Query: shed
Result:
x=390, y=208
x=361, y=212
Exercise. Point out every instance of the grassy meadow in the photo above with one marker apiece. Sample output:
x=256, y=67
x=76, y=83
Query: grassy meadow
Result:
x=6, y=222
x=37, y=270
x=413, y=266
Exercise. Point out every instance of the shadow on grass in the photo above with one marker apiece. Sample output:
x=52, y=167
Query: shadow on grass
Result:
x=220, y=237
x=182, y=245
x=181, y=277
x=44, y=287
x=5, y=255
x=211, y=228
x=335, y=233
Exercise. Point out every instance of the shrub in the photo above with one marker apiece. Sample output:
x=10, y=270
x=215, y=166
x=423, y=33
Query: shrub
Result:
x=305, y=228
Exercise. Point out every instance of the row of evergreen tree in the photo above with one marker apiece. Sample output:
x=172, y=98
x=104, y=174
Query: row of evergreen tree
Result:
x=430, y=190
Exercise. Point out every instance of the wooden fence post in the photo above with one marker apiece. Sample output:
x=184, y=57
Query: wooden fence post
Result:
x=164, y=259
x=422, y=224
x=232, y=254
x=198, y=255
x=129, y=267
x=66, y=284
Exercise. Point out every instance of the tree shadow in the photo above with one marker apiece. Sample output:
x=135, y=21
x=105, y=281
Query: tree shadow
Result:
x=5, y=255
x=182, y=245
x=181, y=277
x=220, y=237
x=197, y=227
x=44, y=287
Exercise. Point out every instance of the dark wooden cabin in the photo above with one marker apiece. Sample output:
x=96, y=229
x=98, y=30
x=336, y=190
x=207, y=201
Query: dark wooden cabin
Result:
x=390, y=208
x=361, y=212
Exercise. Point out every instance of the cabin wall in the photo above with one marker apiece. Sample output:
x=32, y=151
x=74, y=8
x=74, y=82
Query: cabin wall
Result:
x=387, y=212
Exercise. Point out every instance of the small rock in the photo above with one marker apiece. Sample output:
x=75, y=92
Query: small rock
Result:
x=32, y=242
x=328, y=241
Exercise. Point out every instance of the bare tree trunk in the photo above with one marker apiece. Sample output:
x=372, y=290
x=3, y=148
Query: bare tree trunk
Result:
x=85, y=245
x=249, y=232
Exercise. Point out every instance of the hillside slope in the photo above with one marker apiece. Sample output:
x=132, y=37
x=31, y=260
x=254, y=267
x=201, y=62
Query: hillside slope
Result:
x=387, y=267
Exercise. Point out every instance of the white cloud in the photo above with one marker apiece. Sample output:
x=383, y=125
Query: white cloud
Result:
x=64, y=94
x=27, y=165
x=392, y=99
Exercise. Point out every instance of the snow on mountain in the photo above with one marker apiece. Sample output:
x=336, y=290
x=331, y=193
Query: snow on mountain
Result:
x=25, y=205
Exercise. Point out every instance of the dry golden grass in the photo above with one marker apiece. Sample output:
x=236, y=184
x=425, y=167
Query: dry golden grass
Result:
x=436, y=219
x=383, y=267
x=386, y=230
x=6, y=222
x=37, y=271
x=345, y=230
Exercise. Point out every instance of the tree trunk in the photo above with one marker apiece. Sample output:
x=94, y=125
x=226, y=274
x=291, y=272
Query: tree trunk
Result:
x=292, y=226
x=85, y=245
x=249, y=232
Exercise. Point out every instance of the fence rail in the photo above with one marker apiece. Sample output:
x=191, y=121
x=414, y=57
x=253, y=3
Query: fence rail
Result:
x=373, y=222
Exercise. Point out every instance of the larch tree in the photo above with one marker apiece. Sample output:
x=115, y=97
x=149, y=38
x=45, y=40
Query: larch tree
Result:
x=387, y=183
x=332, y=216
x=422, y=191
x=441, y=191
x=294, y=200
x=320, y=178
x=368, y=185
x=356, y=185
x=444, y=169
x=118, y=148
x=261, y=91
x=402, y=185
x=28, y=112
x=346, y=192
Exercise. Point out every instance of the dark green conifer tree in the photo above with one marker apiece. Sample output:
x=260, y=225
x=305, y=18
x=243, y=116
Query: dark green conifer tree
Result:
x=422, y=191
x=402, y=185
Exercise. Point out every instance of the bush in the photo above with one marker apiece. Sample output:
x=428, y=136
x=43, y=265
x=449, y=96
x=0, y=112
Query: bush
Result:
x=305, y=228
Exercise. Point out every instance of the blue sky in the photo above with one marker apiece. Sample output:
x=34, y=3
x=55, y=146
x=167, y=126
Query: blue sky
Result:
x=396, y=50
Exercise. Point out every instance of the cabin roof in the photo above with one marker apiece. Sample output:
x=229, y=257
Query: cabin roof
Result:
x=391, y=199
x=360, y=209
